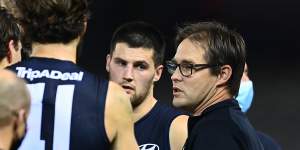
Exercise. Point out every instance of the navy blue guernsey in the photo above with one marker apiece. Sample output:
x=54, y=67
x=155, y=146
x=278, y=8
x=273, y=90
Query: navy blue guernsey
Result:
x=152, y=131
x=68, y=103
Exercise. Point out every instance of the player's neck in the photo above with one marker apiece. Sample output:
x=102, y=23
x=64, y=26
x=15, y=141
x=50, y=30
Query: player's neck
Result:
x=5, y=137
x=56, y=50
x=145, y=107
x=220, y=95
x=4, y=63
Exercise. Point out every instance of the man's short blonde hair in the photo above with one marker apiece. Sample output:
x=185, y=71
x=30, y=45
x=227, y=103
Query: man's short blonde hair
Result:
x=14, y=96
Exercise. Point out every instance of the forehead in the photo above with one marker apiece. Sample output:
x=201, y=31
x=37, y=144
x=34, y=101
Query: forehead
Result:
x=187, y=51
x=122, y=50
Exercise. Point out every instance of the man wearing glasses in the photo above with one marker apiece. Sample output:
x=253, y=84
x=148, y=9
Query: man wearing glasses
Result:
x=206, y=73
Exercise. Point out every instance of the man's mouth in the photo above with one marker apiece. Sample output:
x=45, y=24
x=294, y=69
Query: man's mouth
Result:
x=129, y=89
x=176, y=91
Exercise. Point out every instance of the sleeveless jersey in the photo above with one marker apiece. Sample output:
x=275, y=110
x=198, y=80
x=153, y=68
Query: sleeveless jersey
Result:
x=152, y=131
x=67, y=110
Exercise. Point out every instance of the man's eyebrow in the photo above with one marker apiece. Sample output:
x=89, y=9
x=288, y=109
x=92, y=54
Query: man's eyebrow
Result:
x=183, y=61
x=119, y=59
x=187, y=62
x=141, y=62
x=144, y=63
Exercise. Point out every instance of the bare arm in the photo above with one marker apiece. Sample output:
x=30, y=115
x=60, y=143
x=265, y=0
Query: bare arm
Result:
x=178, y=132
x=118, y=119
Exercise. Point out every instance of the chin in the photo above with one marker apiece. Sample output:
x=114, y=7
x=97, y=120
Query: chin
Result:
x=179, y=102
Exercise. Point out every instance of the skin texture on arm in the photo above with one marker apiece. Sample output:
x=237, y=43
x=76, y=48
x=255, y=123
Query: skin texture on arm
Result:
x=118, y=119
x=178, y=132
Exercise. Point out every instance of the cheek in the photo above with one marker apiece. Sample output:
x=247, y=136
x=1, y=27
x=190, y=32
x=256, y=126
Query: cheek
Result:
x=144, y=81
x=115, y=74
x=192, y=91
x=19, y=55
x=195, y=89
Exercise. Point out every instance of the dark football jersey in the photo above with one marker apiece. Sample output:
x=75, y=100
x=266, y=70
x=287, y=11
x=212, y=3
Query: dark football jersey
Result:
x=152, y=131
x=67, y=110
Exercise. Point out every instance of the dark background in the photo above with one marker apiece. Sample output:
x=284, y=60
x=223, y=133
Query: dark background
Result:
x=271, y=30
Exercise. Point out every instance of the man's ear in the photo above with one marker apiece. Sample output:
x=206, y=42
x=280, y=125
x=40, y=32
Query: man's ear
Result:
x=20, y=123
x=11, y=49
x=224, y=75
x=22, y=115
x=158, y=72
x=108, y=59
x=85, y=27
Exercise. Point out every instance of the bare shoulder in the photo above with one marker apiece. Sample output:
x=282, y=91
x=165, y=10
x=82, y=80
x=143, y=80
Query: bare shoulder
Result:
x=178, y=127
x=179, y=124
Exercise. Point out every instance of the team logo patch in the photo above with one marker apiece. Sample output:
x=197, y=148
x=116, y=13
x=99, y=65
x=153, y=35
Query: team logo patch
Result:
x=149, y=147
x=31, y=74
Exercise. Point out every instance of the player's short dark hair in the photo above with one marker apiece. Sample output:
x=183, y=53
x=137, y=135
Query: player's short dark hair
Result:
x=53, y=21
x=140, y=34
x=9, y=30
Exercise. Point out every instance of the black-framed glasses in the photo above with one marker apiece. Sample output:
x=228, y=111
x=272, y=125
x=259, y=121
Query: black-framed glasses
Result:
x=185, y=68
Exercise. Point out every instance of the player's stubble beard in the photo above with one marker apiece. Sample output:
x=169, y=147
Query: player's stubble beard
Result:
x=137, y=99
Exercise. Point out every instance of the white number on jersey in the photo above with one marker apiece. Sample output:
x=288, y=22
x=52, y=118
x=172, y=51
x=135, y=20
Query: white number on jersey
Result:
x=62, y=119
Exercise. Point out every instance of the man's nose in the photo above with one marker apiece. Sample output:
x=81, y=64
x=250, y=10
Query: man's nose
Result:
x=128, y=74
x=176, y=76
